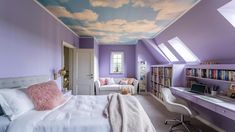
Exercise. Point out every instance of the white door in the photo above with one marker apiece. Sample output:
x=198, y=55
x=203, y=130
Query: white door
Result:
x=84, y=71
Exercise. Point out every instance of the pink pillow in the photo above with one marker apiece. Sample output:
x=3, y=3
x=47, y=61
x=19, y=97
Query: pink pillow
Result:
x=103, y=81
x=123, y=82
x=131, y=81
x=45, y=96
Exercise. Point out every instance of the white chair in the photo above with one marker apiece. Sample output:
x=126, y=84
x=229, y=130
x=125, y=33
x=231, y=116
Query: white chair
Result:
x=173, y=105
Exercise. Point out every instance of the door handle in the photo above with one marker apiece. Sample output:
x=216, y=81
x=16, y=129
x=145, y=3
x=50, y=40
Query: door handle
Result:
x=90, y=75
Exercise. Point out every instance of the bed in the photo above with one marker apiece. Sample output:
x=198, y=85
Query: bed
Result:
x=79, y=113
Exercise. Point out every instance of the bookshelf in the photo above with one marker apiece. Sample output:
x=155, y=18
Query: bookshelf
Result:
x=165, y=76
x=223, y=73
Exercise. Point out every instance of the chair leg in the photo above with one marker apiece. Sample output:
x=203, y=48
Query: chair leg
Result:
x=174, y=120
x=179, y=122
x=185, y=126
x=175, y=125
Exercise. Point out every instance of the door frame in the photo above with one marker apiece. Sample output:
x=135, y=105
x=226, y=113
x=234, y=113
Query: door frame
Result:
x=71, y=62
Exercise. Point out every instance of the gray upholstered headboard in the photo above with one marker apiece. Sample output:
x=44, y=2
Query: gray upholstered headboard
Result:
x=22, y=82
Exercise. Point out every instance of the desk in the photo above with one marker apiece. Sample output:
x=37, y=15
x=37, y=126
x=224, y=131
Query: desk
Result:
x=225, y=107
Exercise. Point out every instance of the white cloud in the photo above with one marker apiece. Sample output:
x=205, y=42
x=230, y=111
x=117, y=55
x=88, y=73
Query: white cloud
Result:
x=167, y=9
x=108, y=3
x=124, y=26
x=118, y=30
x=64, y=1
x=86, y=15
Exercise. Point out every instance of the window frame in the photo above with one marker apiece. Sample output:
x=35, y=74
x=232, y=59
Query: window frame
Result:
x=175, y=43
x=168, y=53
x=112, y=63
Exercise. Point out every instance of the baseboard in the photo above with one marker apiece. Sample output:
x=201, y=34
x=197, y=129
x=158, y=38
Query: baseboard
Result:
x=156, y=98
x=209, y=124
x=197, y=117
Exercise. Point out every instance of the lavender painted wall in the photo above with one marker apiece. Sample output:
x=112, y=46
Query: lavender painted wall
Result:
x=31, y=39
x=143, y=54
x=86, y=42
x=129, y=60
x=205, y=31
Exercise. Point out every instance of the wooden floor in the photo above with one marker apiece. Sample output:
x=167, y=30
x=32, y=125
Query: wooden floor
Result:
x=158, y=114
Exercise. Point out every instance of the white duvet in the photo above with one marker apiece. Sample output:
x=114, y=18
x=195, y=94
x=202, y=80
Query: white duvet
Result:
x=77, y=114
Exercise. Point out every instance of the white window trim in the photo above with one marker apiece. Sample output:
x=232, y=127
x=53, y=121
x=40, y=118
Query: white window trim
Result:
x=111, y=62
x=177, y=41
x=168, y=53
x=227, y=11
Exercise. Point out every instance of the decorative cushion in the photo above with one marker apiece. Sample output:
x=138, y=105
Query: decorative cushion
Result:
x=123, y=82
x=45, y=96
x=130, y=81
x=103, y=81
x=110, y=81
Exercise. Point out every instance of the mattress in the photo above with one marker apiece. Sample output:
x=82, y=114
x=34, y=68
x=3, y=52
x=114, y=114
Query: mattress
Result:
x=4, y=123
x=79, y=113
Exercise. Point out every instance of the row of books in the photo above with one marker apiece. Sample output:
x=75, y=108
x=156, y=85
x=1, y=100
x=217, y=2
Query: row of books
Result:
x=162, y=71
x=167, y=82
x=219, y=74
x=167, y=72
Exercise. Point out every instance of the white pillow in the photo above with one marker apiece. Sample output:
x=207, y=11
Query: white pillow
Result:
x=110, y=81
x=15, y=102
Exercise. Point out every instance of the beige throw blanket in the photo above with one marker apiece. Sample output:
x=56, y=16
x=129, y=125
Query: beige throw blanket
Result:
x=127, y=115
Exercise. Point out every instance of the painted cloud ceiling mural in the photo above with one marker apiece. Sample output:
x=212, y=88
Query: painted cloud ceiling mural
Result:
x=117, y=21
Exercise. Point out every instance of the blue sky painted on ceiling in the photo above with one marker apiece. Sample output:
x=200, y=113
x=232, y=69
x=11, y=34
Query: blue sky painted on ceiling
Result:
x=117, y=21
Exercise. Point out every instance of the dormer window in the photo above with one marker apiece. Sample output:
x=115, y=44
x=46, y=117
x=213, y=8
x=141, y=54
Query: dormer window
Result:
x=168, y=53
x=228, y=12
x=183, y=50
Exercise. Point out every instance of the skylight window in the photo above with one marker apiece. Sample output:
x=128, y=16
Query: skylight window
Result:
x=168, y=53
x=183, y=50
x=228, y=11
x=155, y=47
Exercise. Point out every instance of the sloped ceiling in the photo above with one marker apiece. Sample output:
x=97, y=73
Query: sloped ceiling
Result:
x=204, y=31
x=117, y=21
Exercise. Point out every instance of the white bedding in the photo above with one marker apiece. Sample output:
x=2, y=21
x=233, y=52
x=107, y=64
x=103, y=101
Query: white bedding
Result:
x=79, y=113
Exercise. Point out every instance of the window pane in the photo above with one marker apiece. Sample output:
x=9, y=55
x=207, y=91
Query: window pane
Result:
x=116, y=62
x=228, y=12
x=183, y=50
x=168, y=53
x=119, y=61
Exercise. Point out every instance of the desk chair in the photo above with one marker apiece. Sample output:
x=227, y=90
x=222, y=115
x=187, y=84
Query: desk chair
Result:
x=173, y=105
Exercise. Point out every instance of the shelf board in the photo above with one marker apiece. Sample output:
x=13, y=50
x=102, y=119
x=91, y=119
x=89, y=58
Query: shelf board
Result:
x=210, y=79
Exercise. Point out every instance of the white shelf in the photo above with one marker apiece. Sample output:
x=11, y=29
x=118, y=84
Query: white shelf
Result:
x=210, y=79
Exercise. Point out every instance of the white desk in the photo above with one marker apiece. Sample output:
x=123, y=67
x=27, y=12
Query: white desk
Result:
x=225, y=107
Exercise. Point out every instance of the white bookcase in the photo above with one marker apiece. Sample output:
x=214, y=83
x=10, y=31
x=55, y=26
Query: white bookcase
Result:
x=166, y=76
x=142, y=70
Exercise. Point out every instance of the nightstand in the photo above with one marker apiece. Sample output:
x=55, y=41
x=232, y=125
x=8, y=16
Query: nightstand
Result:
x=67, y=93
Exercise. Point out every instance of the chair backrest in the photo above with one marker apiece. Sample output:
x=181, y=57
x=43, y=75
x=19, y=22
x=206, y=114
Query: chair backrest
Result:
x=171, y=104
x=167, y=95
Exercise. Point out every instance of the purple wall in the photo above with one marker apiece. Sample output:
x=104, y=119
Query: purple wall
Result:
x=129, y=60
x=86, y=42
x=205, y=31
x=143, y=54
x=30, y=39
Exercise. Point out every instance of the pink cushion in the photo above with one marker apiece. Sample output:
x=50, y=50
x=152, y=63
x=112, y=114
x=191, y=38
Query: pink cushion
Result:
x=131, y=81
x=123, y=82
x=103, y=81
x=45, y=96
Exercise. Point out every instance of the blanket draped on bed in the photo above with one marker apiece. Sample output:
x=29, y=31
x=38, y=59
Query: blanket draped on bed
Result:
x=127, y=115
